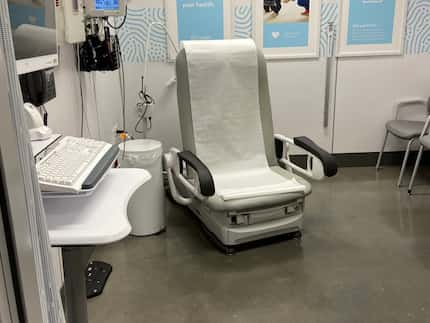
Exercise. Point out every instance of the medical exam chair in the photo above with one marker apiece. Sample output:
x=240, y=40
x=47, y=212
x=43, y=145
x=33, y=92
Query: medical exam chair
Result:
x=233, y=173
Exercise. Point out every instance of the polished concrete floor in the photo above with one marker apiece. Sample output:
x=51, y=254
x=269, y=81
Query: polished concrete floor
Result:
x=364, y=257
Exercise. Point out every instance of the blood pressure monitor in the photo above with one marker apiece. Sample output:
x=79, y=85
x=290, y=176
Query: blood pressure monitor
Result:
x=104, y=8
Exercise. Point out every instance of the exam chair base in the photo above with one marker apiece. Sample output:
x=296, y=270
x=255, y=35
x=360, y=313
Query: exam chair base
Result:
x=231, y=250
x=251, y=225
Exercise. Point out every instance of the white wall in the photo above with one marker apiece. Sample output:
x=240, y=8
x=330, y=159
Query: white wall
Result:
x=64, y=110
x=367, y=90
x=165, y=116
x=297, y=89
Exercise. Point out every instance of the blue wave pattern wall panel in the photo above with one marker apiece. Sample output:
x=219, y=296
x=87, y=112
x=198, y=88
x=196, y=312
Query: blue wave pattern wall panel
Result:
x=242, y=21
x=133, y=35
x=417, y=39
x=329, y=13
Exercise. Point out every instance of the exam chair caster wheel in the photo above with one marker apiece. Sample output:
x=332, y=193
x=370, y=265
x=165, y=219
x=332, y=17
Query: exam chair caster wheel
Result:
x=229, y=251
x=297, y=235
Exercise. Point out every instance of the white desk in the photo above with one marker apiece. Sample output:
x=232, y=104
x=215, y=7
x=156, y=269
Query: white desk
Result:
x=78, y=223
x=99, y=218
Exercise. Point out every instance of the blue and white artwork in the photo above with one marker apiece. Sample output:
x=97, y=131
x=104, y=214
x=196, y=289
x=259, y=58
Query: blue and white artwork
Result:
x=200, y=19
x=286, y=35
x=286, y=23
x=371, y=22
x=133, y=35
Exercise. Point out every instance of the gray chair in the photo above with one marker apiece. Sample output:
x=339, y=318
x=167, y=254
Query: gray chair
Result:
x=424, y=143
x=404, y=129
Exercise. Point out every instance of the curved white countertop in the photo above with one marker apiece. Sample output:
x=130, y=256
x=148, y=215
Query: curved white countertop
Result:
x=99, y=218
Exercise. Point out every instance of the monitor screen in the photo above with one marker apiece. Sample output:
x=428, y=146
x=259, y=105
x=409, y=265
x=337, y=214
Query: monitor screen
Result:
x=107, y=5
x=34, y=32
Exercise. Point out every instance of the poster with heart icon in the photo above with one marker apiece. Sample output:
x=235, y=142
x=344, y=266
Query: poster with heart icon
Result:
x=372, y=27
x=287, y=28
x=198, y=20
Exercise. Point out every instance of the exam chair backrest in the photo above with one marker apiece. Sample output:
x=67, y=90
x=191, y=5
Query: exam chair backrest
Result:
x=186, y=115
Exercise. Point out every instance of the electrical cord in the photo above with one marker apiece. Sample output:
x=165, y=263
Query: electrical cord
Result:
x=96, y=106
x=136, y=127
x=122, y=86
x=80, y=88
x=122, y=22
x=85, y=98
x=84, y=112
x=146, y=101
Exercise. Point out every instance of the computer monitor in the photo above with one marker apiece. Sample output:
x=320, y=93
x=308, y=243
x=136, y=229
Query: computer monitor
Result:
x=104, y=8
x=34, y=34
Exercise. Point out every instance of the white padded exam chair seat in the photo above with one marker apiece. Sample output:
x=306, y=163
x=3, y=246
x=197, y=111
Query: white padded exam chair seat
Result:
x=256, y=200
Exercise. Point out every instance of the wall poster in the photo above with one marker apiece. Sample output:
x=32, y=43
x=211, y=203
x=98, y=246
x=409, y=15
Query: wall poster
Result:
x=372, y=27
x=198, y=20
x=287, y=28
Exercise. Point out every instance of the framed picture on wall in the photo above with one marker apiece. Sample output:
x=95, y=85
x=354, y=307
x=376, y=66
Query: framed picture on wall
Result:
x=287, y=28
x=198, y=20
x=371, y=27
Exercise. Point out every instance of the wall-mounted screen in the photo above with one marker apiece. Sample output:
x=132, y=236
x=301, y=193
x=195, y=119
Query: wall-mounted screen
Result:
x=34, y=34
x=107, y=4
x=104, y=8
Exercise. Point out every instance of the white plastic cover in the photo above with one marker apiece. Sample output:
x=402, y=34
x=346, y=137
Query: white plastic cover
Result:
x=228, y=134
x=141, y=152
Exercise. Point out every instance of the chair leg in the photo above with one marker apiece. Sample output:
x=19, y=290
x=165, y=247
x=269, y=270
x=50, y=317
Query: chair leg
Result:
x=378, y=163
x=405, y=161
x=414, y=173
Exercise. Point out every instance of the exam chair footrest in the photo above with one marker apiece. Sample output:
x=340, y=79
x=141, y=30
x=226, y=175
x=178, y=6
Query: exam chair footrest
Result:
x=97, y=275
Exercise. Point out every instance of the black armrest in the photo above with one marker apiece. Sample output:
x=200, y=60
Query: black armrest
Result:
x=328, y=160
x=207, y=185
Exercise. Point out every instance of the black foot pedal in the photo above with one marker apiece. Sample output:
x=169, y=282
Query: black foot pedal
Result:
x=97, y=275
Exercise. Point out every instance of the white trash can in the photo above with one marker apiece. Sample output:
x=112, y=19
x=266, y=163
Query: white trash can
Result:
x=146, y=207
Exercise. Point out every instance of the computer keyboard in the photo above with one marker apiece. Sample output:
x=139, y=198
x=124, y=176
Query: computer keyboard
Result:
x=75, y=165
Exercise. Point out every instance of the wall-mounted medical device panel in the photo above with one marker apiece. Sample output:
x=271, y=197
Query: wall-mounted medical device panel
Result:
x=104, y=8
x=82, y=17
x=74, y=28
